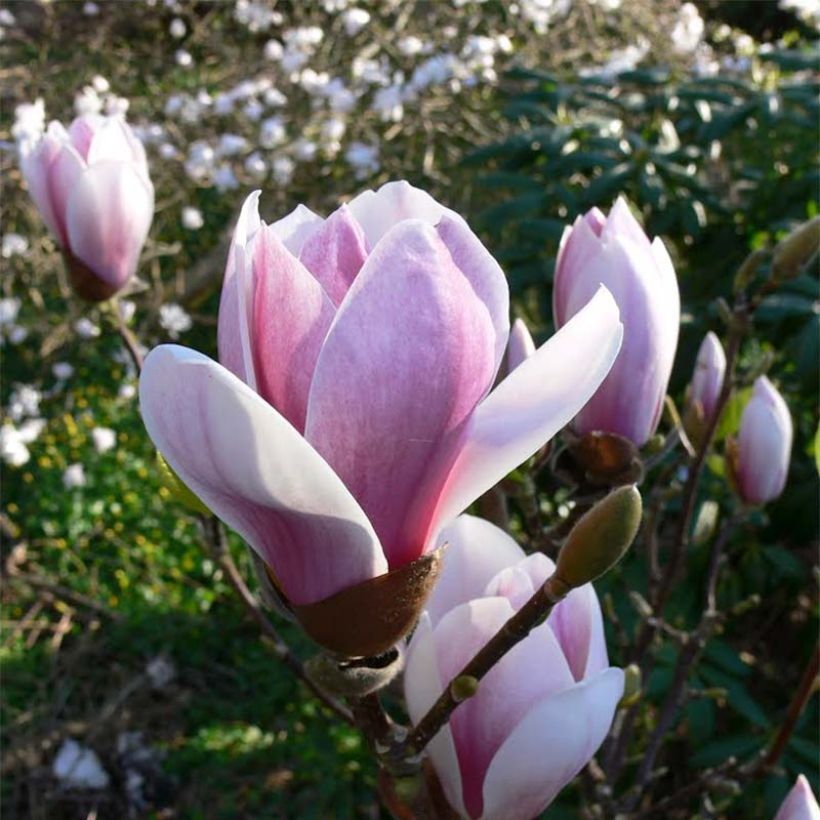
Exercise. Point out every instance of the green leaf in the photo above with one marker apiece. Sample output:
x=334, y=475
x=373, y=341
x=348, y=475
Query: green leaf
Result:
x=717, y=751
x=730, y=420
x=738, y=697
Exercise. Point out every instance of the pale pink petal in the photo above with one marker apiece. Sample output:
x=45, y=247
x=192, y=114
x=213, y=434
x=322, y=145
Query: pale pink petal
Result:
x=295, y=228
x=236, y=301
x=644, y=362
x=255, y=471
x=291, y=316
x=518, y=583
x=82, y=131
x=411, y=352
x=550, y=745
x=35, y=164
x=529, y=672
x=579, y=244
x=520, y=347
x=63, y=176
x=422, y=686
x=621, y=223
x=111, y=141
x=378, y=211
x=764, y=444
x=477, y=550
x=800, y=803
x=335, y=252
x=108, y=217
x=533, y=403
x=579, y=626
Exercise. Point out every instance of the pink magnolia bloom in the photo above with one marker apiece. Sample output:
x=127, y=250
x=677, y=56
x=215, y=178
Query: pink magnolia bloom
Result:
x=542, y=712
x=92, y=188
x=349, y=418
x=520, y=347
x=707, y=380
x=800, y=803
x=615, y=251
x=764, y=445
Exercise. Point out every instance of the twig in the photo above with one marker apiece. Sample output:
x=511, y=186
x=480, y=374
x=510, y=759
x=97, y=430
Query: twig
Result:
x=687, y=658
x=219, y=547
x=512, y=632
x=130, y=341
x=799, y=701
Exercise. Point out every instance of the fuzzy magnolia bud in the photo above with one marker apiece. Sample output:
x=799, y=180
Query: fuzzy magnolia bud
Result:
x=632, y=685
x=796, y=249
x=354, y=679
x=600, y=538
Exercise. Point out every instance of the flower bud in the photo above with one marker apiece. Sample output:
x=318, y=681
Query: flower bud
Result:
x=800, y=803
x=614, y=251
x=354, y=679
x=759, y=459
x=795, y=250
x=600, y=537
x=520, y=346
x=707, y=379
x=91, y=186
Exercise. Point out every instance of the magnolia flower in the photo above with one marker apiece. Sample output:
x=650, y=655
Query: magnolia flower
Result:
x=521, y=346
x=800, y=803
x=349, y=418
x=760, y=457
x=91, y=186
x=614, y=251
x=540, y=713
x=707, y=380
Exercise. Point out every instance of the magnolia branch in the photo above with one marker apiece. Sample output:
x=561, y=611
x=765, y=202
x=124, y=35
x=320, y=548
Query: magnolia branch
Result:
x=534, y=612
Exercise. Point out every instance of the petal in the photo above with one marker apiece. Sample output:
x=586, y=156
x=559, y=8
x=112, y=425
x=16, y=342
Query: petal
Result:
x=81, y=133
x=630, y=399
x=621, y=224
x=533, y=403
x=518, y=583
x=63, y=176
x=579, y=244
x=236, y=301
x=110, y=141
x=291, y=316
x=108, y=217
x=529, y=672
x=520, y=347
x=579, y=626
x=477, y=550
x=422, y=686
x=335, y=252
x=411, y=352
x=295, y=228
x=548, y=748
x=394, y=202
x=249, y=465
x=800, y=803
x=35, y=164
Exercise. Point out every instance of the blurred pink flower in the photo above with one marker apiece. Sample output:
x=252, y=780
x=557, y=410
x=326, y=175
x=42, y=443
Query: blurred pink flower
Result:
x=707, y=378
x=764, y=445
x=521, y=345
x=349, y=418
x=542, y=712
x=92, y=188
x=800, y=803
x=615, y=251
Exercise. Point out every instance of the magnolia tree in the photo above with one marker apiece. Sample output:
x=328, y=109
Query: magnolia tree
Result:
x=369, y=392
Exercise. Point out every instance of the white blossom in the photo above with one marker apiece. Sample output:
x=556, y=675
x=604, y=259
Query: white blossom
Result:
x=183, y=58
x=79, y=767
x=90, y=9
x=62, y=371
x=29, y=121
x=104, y=439
x=74, y=476
x=9, y=308
x=177, y=29
x=174, y=320
x=355, y=20
x=688, y=29
x=14, y=244
x=86, y=329
x=192, y=218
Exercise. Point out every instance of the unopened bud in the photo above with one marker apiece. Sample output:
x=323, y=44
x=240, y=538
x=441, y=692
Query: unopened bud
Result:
x=742, y=607
x=706, y=522
x=632, y=686
x=463, y=687
x=640, y=603
x=173, y=483
x=600, y=537
x=748, y=270
x=354, y=679
x=795, y=250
